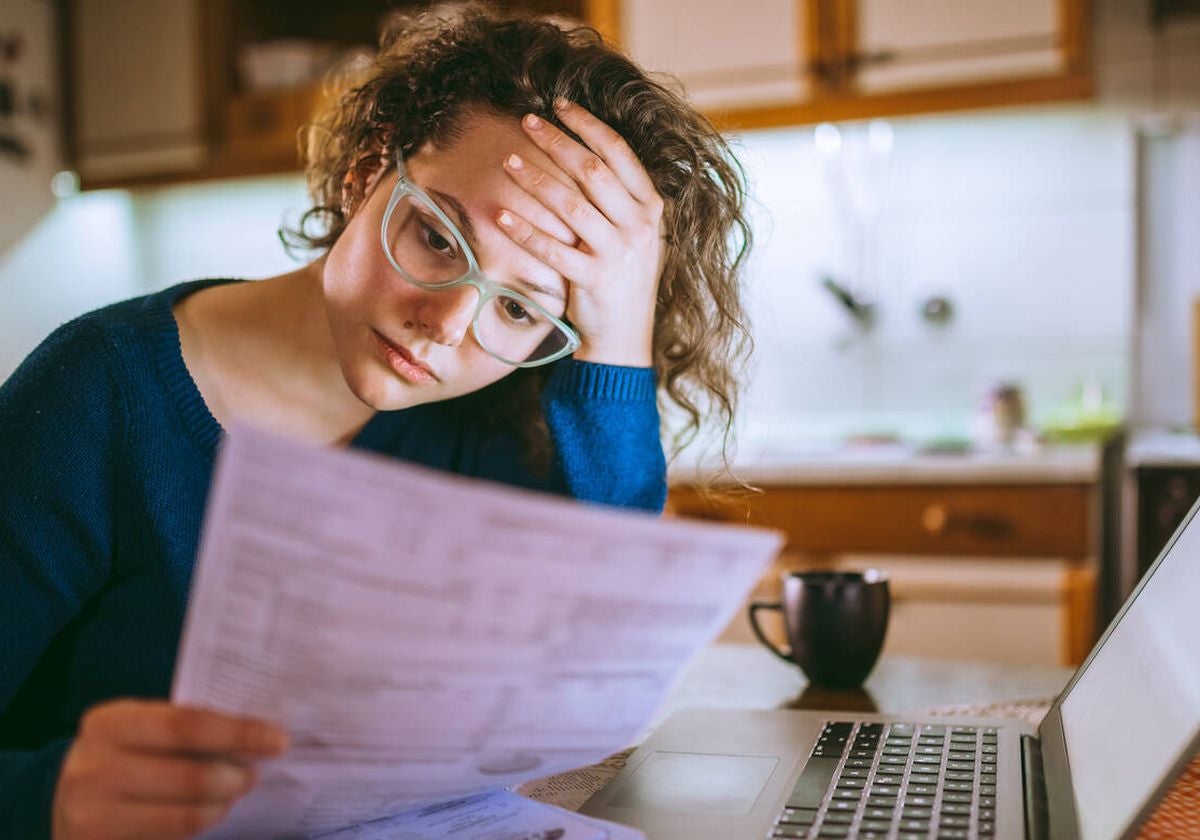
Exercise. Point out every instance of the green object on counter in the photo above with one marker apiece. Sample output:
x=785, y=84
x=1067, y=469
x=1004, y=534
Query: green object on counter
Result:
x=1089, y=415
x=1081, y=432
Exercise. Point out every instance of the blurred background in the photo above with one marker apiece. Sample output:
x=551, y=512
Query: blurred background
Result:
x=973, y=292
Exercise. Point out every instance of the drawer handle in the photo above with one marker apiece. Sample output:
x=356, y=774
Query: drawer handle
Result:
x=935, y=519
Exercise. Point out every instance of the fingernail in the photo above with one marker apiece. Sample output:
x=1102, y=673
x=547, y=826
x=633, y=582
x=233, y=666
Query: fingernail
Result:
x=505, y=219
x=514, y=162
x=533, y=121
x=270, y=739
x=233, y=778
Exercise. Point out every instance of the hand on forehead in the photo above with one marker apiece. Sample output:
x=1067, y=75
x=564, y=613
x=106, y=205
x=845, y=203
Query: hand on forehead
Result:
x=471, y=170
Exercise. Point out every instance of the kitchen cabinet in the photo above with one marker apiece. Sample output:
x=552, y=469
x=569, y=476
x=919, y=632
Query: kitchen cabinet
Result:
x=159, y=91
x=928, y=43
x=133, y=94
x=783, y=62
x=755, y=53
x=1003, y=572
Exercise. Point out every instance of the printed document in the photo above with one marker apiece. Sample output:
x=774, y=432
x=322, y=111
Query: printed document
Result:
x=495, y=815
x=425, y=637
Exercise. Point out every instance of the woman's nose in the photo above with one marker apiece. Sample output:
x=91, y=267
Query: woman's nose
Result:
x=445, y=315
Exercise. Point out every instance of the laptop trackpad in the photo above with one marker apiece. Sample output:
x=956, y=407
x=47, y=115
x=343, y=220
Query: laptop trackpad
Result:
x=696, y=783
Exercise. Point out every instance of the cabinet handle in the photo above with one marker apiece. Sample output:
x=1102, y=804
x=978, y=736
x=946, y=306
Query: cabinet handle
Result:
x=857, y=61
x=935, y=518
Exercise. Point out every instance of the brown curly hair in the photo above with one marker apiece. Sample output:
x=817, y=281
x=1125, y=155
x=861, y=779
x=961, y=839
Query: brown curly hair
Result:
x=435, y=66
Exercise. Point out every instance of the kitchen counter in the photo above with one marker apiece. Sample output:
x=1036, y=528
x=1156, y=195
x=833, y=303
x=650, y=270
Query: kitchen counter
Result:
x=900, y=464
x=1161, y=448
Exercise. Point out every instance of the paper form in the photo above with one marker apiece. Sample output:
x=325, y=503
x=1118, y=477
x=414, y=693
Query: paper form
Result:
x=497, y=815
x=425, y=637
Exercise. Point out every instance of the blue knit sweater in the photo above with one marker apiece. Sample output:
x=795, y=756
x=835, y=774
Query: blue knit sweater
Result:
x=106, y=453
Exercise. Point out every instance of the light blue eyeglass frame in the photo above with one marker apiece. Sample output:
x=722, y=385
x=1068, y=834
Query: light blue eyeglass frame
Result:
x=474, y=276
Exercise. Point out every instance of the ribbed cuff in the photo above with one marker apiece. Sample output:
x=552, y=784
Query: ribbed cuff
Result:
x=605, y=382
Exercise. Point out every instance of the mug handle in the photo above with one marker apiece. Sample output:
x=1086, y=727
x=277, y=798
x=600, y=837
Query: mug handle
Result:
x=753, y=616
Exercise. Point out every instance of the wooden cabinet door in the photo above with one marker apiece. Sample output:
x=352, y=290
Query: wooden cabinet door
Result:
x=914, y=44
x=748, y=54
x=137, y=100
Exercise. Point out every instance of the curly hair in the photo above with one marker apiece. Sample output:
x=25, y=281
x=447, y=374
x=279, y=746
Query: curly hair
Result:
x=436, y=66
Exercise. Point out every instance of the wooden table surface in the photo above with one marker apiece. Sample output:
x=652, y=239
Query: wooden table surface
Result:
x=747, y=676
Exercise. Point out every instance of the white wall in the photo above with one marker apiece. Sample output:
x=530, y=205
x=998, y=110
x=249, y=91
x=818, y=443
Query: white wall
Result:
x=81, y=255
x=1025, y=221
x=216, y=230
x=96, y=248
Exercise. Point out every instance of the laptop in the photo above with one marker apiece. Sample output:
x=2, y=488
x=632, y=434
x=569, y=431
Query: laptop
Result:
x=1125, y=726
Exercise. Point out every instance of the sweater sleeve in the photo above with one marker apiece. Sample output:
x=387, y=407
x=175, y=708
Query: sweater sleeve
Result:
x=604, y=424
x=58, y=416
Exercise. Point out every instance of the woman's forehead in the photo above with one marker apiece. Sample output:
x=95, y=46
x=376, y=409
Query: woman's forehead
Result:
x=479, y=148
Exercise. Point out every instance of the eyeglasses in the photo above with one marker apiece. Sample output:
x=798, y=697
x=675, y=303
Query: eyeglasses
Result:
x=428, y=251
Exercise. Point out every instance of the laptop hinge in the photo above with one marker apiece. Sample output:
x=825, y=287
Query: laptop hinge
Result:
x=1033, y=779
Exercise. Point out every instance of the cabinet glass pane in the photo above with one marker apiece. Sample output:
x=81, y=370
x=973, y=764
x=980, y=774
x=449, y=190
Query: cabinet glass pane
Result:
x=725, y=54
x=922, y=43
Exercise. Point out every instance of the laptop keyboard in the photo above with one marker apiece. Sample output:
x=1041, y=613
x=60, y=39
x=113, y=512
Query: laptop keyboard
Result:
x=900, y=781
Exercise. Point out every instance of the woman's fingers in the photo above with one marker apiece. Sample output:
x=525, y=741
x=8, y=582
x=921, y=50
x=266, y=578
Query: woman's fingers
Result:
x=567, y=261
x=612, y=148
x=572, y=206
x=182, y=781
x=618, y=214
x=595, y=179
x=128, y=820
x=149, y=725
x=149, y=768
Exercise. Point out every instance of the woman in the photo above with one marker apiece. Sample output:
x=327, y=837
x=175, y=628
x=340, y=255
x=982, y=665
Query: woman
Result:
x=521, y=239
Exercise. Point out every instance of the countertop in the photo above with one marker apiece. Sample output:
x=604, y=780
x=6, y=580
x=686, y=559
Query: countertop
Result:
x=1162, y=448
x=779, y=463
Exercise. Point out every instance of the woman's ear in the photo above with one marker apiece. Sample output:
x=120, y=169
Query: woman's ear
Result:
x=361, y=180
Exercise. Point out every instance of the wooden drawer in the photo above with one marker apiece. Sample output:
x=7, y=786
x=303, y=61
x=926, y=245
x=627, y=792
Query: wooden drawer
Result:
x=997, y=520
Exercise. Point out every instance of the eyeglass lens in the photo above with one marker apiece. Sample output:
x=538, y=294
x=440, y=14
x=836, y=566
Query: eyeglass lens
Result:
x=510, y=326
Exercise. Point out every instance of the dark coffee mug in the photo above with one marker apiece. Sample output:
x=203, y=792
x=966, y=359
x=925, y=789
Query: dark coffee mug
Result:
x=835, y=622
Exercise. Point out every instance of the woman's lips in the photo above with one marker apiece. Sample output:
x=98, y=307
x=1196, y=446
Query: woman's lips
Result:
x=403, y=363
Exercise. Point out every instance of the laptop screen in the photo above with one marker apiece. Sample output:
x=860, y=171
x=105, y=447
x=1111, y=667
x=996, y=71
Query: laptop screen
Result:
x=1136, y=708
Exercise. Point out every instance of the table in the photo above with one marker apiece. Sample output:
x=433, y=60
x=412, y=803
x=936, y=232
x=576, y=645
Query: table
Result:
x=747, y=676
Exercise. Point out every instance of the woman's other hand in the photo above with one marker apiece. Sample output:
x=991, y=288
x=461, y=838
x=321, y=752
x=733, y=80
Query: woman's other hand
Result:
x=617, y=214
x=150, y=769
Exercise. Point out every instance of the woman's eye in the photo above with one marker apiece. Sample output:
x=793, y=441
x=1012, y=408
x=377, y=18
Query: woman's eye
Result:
x=516, y=312
x=437, y=242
